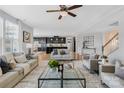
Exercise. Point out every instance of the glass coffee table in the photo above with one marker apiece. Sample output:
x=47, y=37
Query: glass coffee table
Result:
x=62, y=77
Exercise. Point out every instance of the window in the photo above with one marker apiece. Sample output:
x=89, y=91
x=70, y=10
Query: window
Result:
x=11, y=41
x=1, y=35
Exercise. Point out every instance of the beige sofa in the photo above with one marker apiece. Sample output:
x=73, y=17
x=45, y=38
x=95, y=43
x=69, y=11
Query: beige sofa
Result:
x=109, y=78
x=11, y=78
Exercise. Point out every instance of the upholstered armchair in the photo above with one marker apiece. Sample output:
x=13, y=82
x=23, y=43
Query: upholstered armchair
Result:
x=94, y=65
x=91, y=63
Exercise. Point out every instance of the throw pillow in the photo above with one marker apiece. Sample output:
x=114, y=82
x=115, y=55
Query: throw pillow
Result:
x=12, y=64
x=13, y=60
x=21, y=59
x=62, y=52
x=4, y=66
x=9, y=57
x=55, y=52
x=0, y=71
x=3, y=58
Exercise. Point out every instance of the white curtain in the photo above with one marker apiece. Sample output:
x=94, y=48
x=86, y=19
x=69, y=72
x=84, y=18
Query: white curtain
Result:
x=1, y=35
x=11, y=37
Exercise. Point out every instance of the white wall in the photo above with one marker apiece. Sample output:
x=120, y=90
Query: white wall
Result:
x=119, y=53
x=46, y=32
x=25, y=27
x=1, y=34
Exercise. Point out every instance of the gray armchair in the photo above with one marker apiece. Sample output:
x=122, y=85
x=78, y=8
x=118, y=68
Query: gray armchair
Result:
x=91, y=63
x=94, y=65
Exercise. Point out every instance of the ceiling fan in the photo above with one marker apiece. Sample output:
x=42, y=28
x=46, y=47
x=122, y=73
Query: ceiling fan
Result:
x=64, y=10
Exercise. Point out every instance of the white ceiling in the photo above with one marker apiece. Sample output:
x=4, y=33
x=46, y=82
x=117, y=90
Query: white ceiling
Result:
x=48, y=24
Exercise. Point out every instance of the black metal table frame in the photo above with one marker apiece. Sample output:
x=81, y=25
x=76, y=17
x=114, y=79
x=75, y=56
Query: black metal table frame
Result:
x=61, y=78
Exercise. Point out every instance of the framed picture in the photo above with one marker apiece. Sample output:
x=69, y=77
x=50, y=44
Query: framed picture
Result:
x=26, y=37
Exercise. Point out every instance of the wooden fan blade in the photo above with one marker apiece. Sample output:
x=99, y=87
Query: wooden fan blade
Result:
x=72, y=14
x=74, y=7
x=53, y=11
x=60, y=17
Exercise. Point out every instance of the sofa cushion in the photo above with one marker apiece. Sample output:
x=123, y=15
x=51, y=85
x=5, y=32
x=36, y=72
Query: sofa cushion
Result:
x=0, y=71
x=18, y=69
x=4, y=66
x=25, y=66
x=21, y=59
x=32, y=62
x=34, y=56
x=7, y=78
x=56, y=56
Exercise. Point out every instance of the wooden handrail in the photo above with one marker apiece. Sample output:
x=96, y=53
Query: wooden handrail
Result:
x=110, y=40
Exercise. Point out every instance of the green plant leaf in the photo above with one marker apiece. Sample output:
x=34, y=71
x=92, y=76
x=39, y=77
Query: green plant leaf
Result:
x=53, y=63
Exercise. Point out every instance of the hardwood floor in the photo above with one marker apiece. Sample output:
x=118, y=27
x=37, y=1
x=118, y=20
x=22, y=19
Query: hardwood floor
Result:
x=30, y=81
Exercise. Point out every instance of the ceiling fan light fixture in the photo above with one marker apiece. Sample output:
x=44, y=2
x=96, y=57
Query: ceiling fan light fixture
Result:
x=63, y=13
x=65, y=10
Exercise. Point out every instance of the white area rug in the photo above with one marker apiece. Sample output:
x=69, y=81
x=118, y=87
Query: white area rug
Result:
x=31, y=80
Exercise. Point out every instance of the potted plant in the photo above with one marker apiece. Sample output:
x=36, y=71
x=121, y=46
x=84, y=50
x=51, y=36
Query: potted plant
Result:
x=53, y=64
